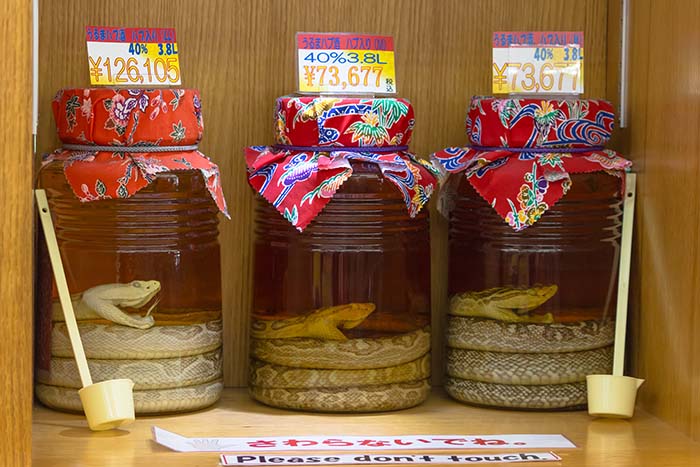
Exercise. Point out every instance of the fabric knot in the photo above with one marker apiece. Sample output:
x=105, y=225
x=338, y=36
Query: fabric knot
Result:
x=115, y=141
x=524, y=150
x=318, y=138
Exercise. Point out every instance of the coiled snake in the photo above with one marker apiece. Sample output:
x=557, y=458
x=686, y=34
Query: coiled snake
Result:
x=500, y=354
x=174, y=368
x=307, y=363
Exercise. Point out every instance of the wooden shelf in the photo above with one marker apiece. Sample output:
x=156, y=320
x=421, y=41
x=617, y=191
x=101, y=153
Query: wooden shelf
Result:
x=61, y=439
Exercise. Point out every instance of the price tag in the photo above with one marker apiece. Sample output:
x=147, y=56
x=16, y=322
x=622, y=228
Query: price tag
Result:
x=537, y=62
x=132, y=56
x=345, y=64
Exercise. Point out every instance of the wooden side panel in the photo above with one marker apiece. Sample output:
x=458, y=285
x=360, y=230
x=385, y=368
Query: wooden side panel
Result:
x=664, y=143
x=16, y=234
x=241, y=56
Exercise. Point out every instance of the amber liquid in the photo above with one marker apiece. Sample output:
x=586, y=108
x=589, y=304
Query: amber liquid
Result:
x=166, y=232
x=575, y=245
x=362, y=248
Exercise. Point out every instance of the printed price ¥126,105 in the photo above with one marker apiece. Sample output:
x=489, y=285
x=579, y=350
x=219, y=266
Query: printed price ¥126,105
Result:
x=134, y=63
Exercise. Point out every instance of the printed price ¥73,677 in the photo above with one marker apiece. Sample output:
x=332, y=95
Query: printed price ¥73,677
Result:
x=352, y=71
x=124, y=63
x=538, y=70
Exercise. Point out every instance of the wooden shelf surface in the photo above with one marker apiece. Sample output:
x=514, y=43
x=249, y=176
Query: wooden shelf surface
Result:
x=64, y=440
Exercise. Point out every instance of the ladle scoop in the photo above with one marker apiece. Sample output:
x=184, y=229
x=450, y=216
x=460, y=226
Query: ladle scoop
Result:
x=108, y=404
x=614, y=396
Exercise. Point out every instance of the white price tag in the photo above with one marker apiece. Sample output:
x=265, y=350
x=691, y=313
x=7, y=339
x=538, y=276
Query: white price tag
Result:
x=537, y=63
x=132, y=56
x=334, y=63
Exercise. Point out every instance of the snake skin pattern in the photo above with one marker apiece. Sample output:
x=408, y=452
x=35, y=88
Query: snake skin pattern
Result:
x=350, y=399
x=352, y=354
x=151, y=401
x=265, y=375
x=528, y=369
x=355, y=375
x=146, y=374
x=111, y=341
x=500, y=336
x=518, y=361
x=518, y=396
x=174, y=368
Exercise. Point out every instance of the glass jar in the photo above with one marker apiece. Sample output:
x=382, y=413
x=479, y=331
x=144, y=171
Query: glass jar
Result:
x=143, y=266
x=532, y=304
x=341, y=318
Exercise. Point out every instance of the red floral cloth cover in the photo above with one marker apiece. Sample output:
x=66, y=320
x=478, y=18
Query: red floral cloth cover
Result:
x=317, y=137
x=566, y=136
x=129, y=117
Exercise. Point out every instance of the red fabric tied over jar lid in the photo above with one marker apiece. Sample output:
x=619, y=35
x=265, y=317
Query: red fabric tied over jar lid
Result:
x=117, y=140
x=523, y=151
x=318, y=137
x=536, y=122
x=343, y=121
x=109, y=117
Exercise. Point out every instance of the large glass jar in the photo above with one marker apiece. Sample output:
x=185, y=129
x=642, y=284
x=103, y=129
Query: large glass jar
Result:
x=341, y=317
x=141, y=260
x=532, y=299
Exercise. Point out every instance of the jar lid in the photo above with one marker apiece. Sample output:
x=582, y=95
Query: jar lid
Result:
x=523, y=151
x=343, y=121
x=531, y=122
x=318, y=138
x=127, y=117
x=117, y=140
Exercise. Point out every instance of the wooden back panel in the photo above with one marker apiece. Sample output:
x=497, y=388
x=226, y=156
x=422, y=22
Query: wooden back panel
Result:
x=241, y=56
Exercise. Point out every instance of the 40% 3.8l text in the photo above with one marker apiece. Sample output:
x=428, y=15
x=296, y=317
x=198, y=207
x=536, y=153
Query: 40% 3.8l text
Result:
x=341, y=57
x=139, y=48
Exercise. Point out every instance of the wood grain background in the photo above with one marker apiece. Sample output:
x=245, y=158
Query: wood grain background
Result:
x=16, y=234
x=664, y=141
x=241, y=56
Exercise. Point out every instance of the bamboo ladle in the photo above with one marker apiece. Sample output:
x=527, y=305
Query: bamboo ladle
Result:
x=614, y=396
x=108, y=404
